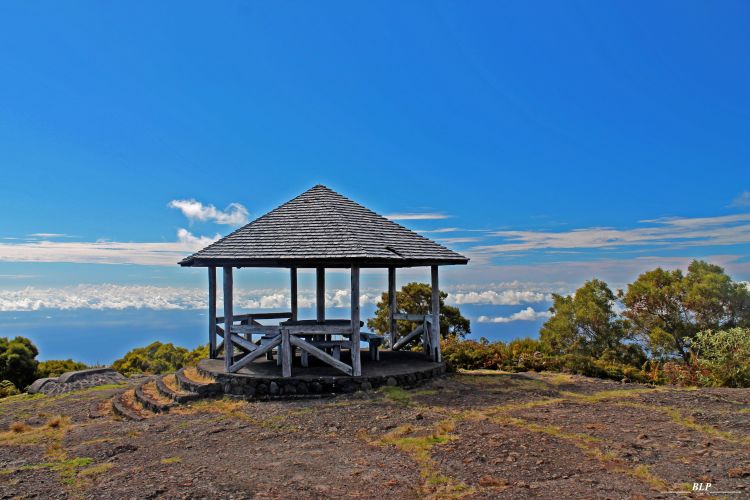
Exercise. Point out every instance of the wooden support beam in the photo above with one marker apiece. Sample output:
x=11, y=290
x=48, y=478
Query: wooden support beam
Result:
x=435, y=330
x=243, y=343
x=286, y=354
x=320, y=293
x=412, y=317
x=254, y=316
x=392, y=307
x=260, y=351
x=293, y=279
x=228, y=319
x=354, y=349
x=408, y=338
x=212, y=312
x=320, y=354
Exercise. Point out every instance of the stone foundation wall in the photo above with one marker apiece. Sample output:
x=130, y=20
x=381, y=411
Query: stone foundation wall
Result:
x=261, y=388
x=73, y=381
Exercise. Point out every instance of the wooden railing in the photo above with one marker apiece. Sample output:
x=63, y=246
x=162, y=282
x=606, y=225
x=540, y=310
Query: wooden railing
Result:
x=423, y=330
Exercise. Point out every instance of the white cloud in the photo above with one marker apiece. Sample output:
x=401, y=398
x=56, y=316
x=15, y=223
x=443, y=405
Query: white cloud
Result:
x=416, y=216
x=679, y=231
x=743, y=200
x=106, y=252
x=234, y=215
x=118, y=297
x=50, y=235
x=527, y=314
x=501, y=298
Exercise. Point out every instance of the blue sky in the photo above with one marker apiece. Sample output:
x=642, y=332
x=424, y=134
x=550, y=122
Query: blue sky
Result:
x=552, y=142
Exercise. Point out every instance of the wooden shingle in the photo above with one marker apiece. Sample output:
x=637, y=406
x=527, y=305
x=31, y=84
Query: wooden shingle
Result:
x=323, y=228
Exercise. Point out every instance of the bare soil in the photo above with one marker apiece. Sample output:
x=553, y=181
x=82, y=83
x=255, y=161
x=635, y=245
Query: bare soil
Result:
x=467, y=435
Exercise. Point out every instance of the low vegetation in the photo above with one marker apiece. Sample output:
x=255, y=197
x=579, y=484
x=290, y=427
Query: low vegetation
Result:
x=159, y=358
x=683, y=329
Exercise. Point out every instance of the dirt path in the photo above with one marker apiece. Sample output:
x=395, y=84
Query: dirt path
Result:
x=467, y=435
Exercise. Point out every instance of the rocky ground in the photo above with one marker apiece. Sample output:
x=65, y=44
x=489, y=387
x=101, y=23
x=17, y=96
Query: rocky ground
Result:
x=466, y=435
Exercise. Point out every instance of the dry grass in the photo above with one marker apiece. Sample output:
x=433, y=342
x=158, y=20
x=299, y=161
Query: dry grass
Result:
x=418, y=442
x=149, y=389
x=171, y=460
x=19, y=427
x=171, y=382
x=193, y=374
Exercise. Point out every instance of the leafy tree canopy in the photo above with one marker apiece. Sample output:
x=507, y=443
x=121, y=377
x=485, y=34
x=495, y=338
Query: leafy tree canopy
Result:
x=586, y=323
x=416, y=298
x=56, y=367
x=668, y=308
x=158, y=358
x=18, y=361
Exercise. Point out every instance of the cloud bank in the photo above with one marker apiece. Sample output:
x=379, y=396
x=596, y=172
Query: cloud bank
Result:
x=161, y=298
x=663, y=232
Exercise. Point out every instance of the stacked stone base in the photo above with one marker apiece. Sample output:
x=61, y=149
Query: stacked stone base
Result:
x=259, y=387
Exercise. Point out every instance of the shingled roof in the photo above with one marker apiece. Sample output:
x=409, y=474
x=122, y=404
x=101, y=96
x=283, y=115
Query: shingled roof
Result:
x=323, y=228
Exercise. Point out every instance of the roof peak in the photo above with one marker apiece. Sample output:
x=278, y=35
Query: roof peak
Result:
x=325, y=227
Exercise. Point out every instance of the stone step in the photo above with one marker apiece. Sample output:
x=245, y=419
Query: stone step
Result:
x=205, y=390
x=153, y=402
x=126, y=406
x=180, y=397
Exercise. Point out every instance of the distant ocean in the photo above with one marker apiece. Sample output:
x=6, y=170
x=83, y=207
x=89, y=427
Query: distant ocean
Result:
x=102, y=336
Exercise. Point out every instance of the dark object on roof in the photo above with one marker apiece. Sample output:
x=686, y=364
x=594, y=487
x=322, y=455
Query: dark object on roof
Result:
x=322, y=228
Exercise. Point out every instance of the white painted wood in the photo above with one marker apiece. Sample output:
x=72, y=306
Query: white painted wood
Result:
x=286, y=354
x=212, y=312
x=228, y=300
x=435, y=330
x=260, y=351
x=320, y=354
x=354, y=349
x=320, y=293
x=392, y=306
x=293, y=279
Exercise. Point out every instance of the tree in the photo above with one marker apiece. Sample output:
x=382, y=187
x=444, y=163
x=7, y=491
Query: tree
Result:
x=17, y=361
x=586, y=323
x=416, y=298
x=56, y=367
x=725, y=354
x=668, y=308
x=158, y=358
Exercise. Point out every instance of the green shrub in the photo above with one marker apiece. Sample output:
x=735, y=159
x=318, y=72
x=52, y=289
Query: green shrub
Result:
x=158, y=358
x=18, y=361
x=722, y=357
x=7, y=388
x=56, y=367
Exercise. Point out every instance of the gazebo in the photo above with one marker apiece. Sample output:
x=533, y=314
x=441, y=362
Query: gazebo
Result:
x=318, y=229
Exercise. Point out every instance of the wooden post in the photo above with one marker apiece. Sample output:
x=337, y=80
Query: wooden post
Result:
x=392, y=307
x=354, y=349
x=286, y=354
x=212, y=312
x=293, y=276
x=228, y=318
x=320, y=293
x=435, y=341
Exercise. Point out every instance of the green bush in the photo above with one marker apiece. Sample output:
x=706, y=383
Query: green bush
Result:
x=7, y=388
x=17, y=361
x=528, y=354
x=722, y=357
x=56, y=367
x=158, y=358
